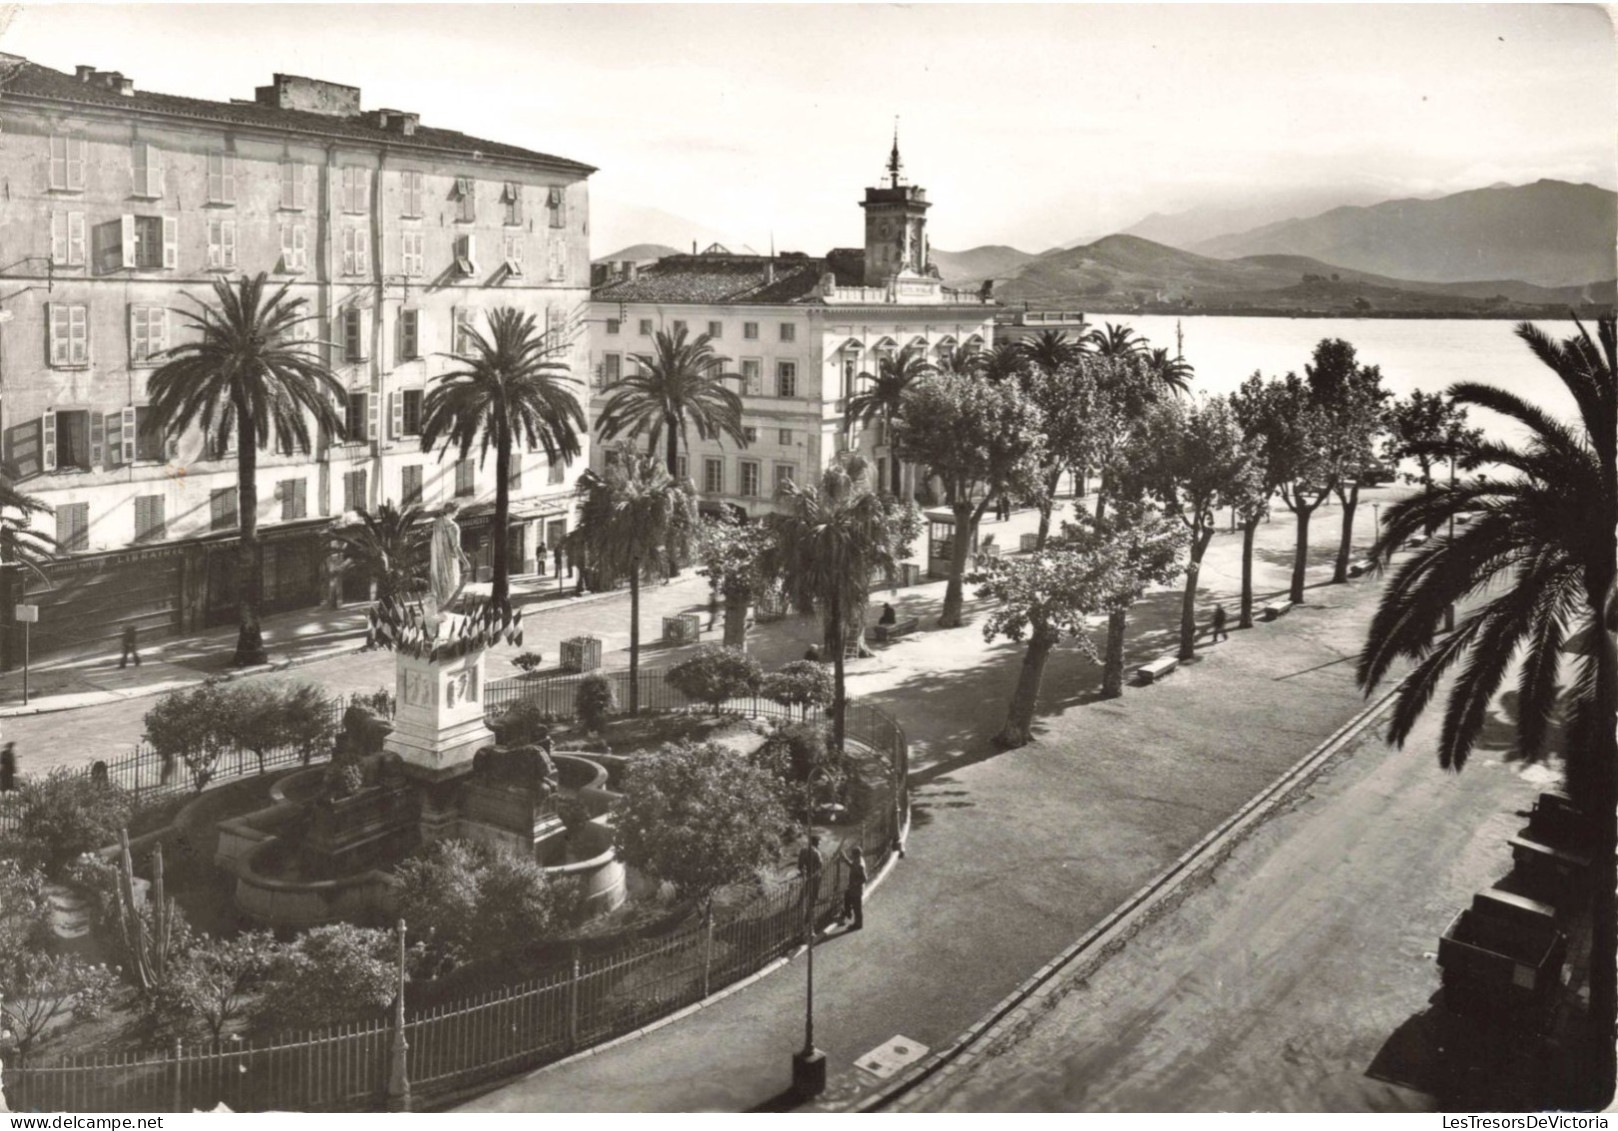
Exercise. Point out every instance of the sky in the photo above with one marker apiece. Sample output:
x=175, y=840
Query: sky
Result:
x=1028, y=125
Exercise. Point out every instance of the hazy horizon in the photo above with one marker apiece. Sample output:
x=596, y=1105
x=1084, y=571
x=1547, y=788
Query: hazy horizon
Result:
x=1029, y=126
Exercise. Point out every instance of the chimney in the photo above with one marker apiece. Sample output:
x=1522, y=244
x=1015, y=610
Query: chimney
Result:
x=693, y=247
x=769, y=271
x=394, y=121
x=311, y=96
x=82, y=72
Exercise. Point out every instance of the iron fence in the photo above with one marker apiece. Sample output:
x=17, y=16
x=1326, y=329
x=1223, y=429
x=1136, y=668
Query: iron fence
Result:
x=583, y=1001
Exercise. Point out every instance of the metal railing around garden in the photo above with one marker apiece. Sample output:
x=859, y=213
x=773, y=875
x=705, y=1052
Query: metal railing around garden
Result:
x=586, y=1000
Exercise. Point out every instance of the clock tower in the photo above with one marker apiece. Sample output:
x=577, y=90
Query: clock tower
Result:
x=895, y=226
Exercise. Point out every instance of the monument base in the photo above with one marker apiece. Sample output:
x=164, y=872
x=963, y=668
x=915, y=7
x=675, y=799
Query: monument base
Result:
x=442, y=754
x=438, y=723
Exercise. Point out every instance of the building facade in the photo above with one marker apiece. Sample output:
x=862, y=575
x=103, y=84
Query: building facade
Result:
x=799, y=331
x=121, y=208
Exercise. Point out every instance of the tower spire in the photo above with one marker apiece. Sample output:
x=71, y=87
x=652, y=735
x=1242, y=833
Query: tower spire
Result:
x=894, y=166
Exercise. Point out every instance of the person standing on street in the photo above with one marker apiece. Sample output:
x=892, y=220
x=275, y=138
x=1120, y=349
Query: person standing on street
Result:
x=8, y=767
x=854, y=894
x=1219, y=624
x=131, y=647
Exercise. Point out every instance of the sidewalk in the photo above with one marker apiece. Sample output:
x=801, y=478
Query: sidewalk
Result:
x=1012, y=854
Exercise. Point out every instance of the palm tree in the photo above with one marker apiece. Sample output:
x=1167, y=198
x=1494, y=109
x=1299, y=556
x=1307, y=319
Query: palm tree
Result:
x=1117, y=341
x=1174, y=372
x=631, y=515
x=1542, y=555
x=680, y=385
x=20, y=543
x=512, y=388
x=1052, y=349
x=1005, y=362
x=882, y=399
x=965, y=359
x=245, y=376
x=828, y=542
x=389, y=548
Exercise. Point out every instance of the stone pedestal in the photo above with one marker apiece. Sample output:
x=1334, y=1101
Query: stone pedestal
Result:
x=438, y=722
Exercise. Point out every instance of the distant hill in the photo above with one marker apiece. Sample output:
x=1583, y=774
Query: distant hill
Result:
x=1550, y=233
x=639, y=253
x=1120, y=274
x=968, y=268
x=1196, y=225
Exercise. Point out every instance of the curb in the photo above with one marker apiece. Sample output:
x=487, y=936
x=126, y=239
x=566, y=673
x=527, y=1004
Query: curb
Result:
x=679, y=1014
x=1019, y=1008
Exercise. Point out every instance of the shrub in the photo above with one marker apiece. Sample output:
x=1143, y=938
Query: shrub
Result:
x=699, y=817
x=214, y=983
x=573, y=813
x=309, y=718
x=529, y=661
x=801, y=683
x=594, y=701
x=36, y=988
x=379, y=702
x=191, y=725
x=331, y=974
x=521, y=723
x=23, y=907
x=64, y=814
x=715, y=673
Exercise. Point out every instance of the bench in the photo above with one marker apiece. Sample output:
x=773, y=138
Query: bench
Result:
x=1277, y=609
x=884, y=633
x=1359, y=568
x=1157, y=669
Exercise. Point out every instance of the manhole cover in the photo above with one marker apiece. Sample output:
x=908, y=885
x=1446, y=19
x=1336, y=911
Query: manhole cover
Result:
x=890, y=1056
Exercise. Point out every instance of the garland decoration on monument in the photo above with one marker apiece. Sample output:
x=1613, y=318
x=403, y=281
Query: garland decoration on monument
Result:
x=402, y=626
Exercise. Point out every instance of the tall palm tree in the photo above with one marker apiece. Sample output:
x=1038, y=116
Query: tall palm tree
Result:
x=1543, y=553
x=1051, y=349
x=630, y=516
x=389, y=547
x=20, y=543
x=1117, y=341
x=680, y=385
x=1174, y=372
x=881, y=401
x=245, y=375
x=1005, y=362
x=828, y=542
x=965, y=359
x=512, y=387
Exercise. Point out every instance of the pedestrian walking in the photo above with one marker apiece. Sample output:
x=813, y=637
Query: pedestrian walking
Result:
x=854, y=894
x=8, y=767
x=131, y=647
x=1219, y=624
x=556, y=555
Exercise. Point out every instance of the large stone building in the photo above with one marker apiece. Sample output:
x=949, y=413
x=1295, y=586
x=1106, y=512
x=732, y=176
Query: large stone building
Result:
x=799, y=330
x=120, y=207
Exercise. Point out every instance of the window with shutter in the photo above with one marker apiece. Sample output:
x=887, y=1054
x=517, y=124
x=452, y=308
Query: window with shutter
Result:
x=356, y=190
x=171, y=243
x=126, y=242
x=67, y=163
x=149, y=521
x=555, y=473
x=67, y=239
x=466, y=200
x=556, y=206
x=356, y=251
x=750, y=478
x=353, y=322
x=47, y=430
x=513, y=255
x=465, y=478
x=411, y=182
x=465, y=320
x=98, y=441
x=294, y=185
x=69, y=329
x=512, y=199
x=466, y=255
x=373, y=417
x=413, y=259
x=557, y=260
x=786, y=378
x=410, y=485
x=613, y=369
x=148, y=171
x=72, y=446
x=354, y=490
x=785, y=473
x=146, y=435
x=72, y=527
x=221, y=178
x=783, y=437
x=355, y=418
x=410, y=412
x=126, y=433
x=409, y=335
x=222, y=509
x=752, y=376
x=713, y=476
x=514, y=480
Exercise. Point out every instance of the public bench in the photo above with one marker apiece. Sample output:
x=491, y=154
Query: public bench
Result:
x=1359, y=568
x=1277, y=609
x=885, y=633
x=1156, y=670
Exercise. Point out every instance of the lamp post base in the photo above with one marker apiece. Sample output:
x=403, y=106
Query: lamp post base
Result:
x=808, y=1073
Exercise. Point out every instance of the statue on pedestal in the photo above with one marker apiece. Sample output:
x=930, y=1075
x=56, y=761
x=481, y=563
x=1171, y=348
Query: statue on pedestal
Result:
x=448, y=565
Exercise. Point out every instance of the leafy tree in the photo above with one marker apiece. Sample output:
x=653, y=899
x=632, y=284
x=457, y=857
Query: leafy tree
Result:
x=216, y=981
x=980, y=441
x=730, y=553
x=593, y=701
x=1420, y=424
x=828, y=541
x=36, y=988
x=330, y=974
x=242, y=376
x=1190, y=459
x=801, y=683
x=388, y=548
x=794, y=753
x=1042, y=597
x=699, y=817
x=518, y=905
x=1145, y=549
x=439, y=888
x=20, y=543
x=1125, y=389
x=63, y=815
x=1542, y=552
x=885, y=398
x=308, y=718
x=1294, y=431
x=192, y=725
x=630, y=516
x=715, y=673
x=1351, y=397
x=512, y=389
x=1068, y=399
x=1251, y=501
x=1004, y=361
x=24, y=907
x=1050, y=350
x=679, y=386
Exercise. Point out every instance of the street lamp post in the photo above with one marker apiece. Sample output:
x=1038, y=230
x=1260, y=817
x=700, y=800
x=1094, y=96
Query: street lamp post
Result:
x=1449, y=609
x=809, y=1063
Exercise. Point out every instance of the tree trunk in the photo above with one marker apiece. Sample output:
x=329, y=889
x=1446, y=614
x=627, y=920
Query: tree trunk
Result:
x=961, y=543
x=736, y=620
x=1249, y=529
x=853, y=628
x=1080, y=487
x=1345, y=545
x=1046, y=506
x=673, y=452
x=1025, y=699
x=839, y=704
x=500, y=591
x=634, y=636
x=1300, y=550
x=1112, y=669
x=1101, y=497
x=249, y=567
x=1200, y=537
